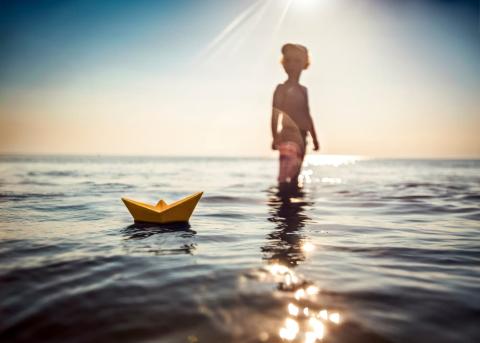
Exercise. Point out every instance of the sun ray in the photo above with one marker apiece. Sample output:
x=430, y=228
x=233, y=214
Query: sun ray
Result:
x=260, y=14
x=229, y=29
x=282, y=17
x=270, y=51
x=232, y=43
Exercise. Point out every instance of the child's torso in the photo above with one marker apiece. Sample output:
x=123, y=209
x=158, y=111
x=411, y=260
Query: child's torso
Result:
x=294, y=103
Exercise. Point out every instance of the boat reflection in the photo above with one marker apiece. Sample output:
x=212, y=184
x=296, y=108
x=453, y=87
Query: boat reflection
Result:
x=159, y=239
x=145, y=230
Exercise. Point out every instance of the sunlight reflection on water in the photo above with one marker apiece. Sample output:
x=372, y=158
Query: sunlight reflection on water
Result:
x=331, y=160
x=305, y=318
x=302, y=320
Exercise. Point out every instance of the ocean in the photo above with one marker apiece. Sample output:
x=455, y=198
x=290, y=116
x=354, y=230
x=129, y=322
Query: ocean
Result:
x=367, y=250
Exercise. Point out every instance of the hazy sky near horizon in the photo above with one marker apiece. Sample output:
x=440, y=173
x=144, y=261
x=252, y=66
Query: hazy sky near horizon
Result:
x=185, y=77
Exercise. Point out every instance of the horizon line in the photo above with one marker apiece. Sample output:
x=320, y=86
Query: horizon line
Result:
x=356, y=156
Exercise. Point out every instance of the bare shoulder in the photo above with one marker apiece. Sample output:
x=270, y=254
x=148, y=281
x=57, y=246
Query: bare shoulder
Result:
x=278, y=89
x=304, y=90
x=277, y=96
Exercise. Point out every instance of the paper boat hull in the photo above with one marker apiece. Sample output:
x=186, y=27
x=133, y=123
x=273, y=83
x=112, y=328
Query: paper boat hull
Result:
x=179, y=211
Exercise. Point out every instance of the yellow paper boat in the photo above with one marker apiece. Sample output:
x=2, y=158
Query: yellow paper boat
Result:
x=179, y=211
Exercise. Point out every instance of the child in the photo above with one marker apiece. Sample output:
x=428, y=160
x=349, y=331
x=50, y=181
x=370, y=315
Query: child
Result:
x=290, y=100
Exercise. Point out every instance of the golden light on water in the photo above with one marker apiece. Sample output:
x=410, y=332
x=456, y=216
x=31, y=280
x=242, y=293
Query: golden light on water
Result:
x=306, y=175
x=299, y=293
x=308, y=247
x=331, y=160
x=278, y=269
x=323, y=314
x=293, y=310
x=331, y=180
x=290, y=330
x=335, y=318
x=312, y=290
x=302, y=322
x=310, y=337
x=317, y=326
x=290, y=279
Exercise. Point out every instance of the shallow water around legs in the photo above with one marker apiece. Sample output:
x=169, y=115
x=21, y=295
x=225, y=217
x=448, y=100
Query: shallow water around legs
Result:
x=365, y=251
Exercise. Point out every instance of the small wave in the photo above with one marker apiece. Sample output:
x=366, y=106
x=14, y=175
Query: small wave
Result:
x=223, y=199
x=36, y=183
x=409, y=197
x=473, y=197
x=67, y=212
x=73, y=207
x=344, y=192
x=229, y=215
x=237, y=185
x=21, y=248
x=474, y=216
x=159, y=185
x=54, y=173
x=113, y=185
x=27, y=196
x=443, y=256
x=431, y=185
x=425, y=208
x=86, y=183
x=415, y=184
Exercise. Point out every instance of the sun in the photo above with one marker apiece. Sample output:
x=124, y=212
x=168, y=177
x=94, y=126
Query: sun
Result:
x=304, y=3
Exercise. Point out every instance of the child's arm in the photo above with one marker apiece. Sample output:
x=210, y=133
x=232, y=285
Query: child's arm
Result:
x=316, y=145
x=311, y=129
x=275, y=115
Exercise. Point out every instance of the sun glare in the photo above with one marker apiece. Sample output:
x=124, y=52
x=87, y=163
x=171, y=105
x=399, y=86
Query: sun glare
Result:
x=304, y=3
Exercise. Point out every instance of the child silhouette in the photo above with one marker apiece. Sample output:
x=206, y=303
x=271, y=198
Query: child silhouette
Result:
x=290, y=102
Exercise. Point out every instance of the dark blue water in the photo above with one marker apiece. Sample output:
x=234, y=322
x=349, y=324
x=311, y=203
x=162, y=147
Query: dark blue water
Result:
x=366, y=251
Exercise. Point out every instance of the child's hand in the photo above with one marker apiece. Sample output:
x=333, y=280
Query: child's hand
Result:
x=274, y=144
x=316, y=146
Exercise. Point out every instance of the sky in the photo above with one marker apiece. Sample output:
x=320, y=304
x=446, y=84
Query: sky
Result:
x=387, y=78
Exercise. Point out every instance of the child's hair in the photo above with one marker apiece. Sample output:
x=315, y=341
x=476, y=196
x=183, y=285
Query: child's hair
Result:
x=297, y=47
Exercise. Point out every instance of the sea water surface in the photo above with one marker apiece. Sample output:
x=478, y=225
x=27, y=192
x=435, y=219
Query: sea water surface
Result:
x=366, y=251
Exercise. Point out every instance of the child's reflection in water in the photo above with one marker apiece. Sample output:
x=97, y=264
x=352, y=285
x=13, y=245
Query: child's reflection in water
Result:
x=287, y=209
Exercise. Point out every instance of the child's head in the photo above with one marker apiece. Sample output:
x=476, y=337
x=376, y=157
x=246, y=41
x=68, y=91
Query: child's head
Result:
x=294, y=58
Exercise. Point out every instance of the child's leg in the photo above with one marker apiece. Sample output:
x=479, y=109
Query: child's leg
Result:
x=300, y=157
x=289, y=162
